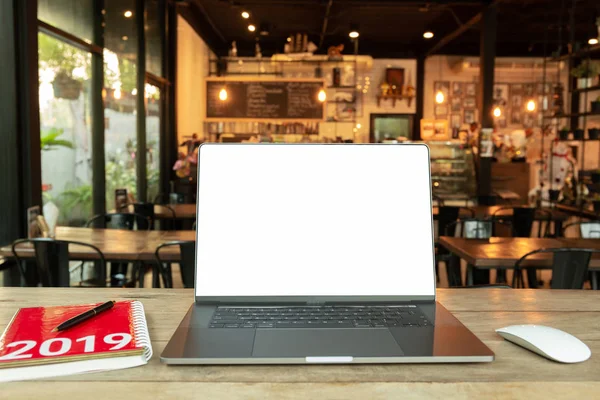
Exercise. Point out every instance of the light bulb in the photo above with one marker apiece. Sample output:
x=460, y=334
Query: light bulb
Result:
x=497, y=112
x=223, y=94
x=531, y=105
x=358, y=126
x=251, y=28
x=245, y=14
x=593, y=41
x=353, y=34
x=127, y=14
x=117, y=94
x=428, y=35
x=439, y=97
x=322, y=96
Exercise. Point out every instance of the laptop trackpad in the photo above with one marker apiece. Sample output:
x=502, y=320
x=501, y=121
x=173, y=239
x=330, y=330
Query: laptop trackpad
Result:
x=325, y=342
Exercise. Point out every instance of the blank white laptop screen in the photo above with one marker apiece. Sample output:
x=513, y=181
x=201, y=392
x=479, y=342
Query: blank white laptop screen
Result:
x=314, y=220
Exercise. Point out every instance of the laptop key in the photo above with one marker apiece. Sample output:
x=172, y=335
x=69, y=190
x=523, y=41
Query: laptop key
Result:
x=268, y=325
x=231, y=326
x=215, y=326
x=247, y=326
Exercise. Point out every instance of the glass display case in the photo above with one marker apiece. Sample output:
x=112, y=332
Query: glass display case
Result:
x=452, y=170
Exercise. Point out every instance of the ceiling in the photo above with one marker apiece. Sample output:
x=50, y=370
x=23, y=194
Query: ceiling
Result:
x=392, y=28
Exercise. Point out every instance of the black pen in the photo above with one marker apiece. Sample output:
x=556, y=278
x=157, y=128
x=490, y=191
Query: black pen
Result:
x=84, y=316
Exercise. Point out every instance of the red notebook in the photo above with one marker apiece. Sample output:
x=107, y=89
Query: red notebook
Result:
x=114, y=339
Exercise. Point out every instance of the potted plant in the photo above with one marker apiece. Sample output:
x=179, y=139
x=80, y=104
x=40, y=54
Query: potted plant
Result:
x=596, y=176
x=594, y=133
x=585, y=72
x=595, y=108
x=563, y=134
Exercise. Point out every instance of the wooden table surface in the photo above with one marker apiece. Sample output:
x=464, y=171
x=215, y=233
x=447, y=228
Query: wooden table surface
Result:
x=115, y=244
x=182, y=211
x=504, y=252
x=516, y=372
x=486, y=211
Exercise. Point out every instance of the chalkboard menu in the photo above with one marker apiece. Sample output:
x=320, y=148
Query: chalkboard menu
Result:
x=264, y=100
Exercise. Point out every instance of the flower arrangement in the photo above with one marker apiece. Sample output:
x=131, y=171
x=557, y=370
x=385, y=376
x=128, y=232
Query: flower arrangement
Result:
x=187, y=163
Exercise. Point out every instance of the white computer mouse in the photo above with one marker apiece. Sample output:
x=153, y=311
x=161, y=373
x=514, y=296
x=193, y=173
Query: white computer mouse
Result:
x=551, y=343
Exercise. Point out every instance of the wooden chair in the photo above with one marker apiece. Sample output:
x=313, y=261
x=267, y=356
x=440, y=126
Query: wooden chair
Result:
x=52, y=262
x=569, y=267
x=187, y=263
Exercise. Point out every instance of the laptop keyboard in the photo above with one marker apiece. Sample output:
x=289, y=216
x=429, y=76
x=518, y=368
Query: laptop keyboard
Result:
x=319, y=317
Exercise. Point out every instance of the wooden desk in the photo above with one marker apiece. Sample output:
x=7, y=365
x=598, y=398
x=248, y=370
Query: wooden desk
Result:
x=504, y=252
x=516, y=372
x=578, y=211
x=182, y=211
x=115, y=244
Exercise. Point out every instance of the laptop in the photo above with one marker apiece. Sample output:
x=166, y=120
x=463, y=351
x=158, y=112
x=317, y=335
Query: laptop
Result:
x=317, y=253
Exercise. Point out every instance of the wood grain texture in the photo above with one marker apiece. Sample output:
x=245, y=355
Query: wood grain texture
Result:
x=182, y=211
x=504, y=252
x=487, y=211
x=516, y=373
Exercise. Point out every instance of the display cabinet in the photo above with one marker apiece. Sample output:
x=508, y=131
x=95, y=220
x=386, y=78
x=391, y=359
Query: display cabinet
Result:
x=452, y=170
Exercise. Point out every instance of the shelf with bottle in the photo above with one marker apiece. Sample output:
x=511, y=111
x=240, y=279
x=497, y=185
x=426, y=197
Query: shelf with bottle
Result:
x=261, y=128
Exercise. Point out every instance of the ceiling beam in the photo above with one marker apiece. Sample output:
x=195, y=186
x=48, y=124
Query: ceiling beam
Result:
x=460, y=30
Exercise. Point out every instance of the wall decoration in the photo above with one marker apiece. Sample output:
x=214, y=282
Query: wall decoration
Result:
x=441, y=111
x=529, y=89
x=501, y=122
x=457, y=89
x=470, y=89
x=455, y=120
x=501, y=94
x=517, y=101
x=529, y=120
x=515, y=117
x=469, y=116
x=455, y=104
x=434, y=129
x=516, y=88
x=469, y=102
x=395, y=78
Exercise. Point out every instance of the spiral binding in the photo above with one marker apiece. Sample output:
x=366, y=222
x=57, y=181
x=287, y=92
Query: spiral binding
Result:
x=140, y=329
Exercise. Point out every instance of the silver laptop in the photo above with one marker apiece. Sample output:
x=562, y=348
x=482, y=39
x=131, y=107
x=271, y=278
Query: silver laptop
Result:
x=317, y=253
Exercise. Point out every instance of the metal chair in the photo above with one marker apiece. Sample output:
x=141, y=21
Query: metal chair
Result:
x=171, y=198
x=187, y=263
x=52, y=261
x=587, y=229
x=569, y=267
x=473, y=228
x=127, y=221
x=447, y=215
x=147, y=210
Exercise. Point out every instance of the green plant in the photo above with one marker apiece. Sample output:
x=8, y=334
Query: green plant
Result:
x=75, y=205
x=49, y=140
x=586, y=69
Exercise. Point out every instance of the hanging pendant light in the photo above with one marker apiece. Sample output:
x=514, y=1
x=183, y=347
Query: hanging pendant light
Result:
x=439, y=97
x=223, y=94
x=531, y=106
x=497, y=112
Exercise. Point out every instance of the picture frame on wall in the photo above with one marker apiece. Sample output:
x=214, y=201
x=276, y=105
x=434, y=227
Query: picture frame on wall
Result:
x=441, y=111
x=395, y=78
x=457, y=89
x=501, y=122
x=455, y=104
x=517, y=101
x=516, y=88
x=470, y=102
x=528, y=89
x=455, y=120
x=529, y=120
x=516, y=117
x=470, y=117
x=501, y=94
x=470, y=89
x=434, y=129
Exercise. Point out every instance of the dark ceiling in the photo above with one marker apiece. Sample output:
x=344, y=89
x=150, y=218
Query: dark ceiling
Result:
x=392, y=28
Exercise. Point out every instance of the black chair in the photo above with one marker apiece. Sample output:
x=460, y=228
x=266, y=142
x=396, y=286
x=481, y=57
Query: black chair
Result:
x=447, y=215
x=52, y=262
x=127, y=221
x=587, y=229
x=172, y=198
x=569, y=267
x=147, y=210
x=473, y=228
x=187, y=263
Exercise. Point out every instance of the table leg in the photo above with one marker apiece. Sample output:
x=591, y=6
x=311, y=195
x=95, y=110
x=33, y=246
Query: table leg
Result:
x=481, y=276
x=532, y=278
x=594, y=280
x=558, y=228
x=453, y=271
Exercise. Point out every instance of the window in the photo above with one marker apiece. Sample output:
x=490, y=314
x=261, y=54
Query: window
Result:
x=73, y=16
x=65, y=128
